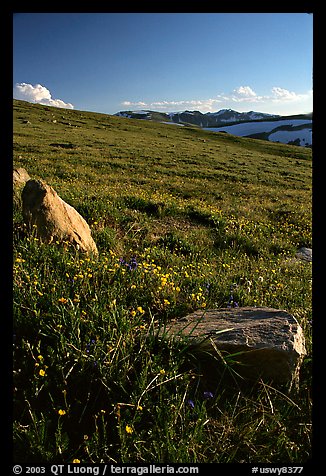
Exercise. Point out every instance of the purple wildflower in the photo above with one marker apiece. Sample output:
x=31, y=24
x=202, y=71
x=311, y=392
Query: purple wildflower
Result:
x=88, y=346
x=132, y=265
x=191, y=404
x=231, y=301
x=208, y=395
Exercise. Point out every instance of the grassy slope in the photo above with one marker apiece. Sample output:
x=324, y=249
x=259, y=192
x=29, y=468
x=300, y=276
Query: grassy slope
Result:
x=201, y=213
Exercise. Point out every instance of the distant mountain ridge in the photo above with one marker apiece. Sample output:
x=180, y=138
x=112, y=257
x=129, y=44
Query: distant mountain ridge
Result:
x=295, y=129
x=208, y=119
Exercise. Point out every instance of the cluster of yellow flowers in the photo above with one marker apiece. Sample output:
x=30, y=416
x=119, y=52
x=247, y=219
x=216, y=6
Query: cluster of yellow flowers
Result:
x=40, y=361
x=139, y=310
x=199, y=298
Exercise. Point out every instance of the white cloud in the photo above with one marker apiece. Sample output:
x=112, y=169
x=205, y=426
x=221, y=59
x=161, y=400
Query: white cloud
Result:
x=280, y=94
x=279, y=101
x=206, y=104
x=202, y=104
x=245, y=92
x=129, y=103
x=38, y=94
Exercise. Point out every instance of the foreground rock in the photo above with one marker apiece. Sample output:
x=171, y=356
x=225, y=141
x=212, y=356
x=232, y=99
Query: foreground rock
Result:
x=20, y=176
x=304, y=254
x=268, y=343
x=54, y=218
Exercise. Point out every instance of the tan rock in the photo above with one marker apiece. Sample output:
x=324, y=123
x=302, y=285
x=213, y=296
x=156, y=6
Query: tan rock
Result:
x=54, y=218
x=20, y=176
x=265, y=343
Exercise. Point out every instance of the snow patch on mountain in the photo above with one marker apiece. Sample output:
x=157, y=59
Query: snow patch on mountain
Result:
x=247, y=128
x=304, y=136
x=289, y=133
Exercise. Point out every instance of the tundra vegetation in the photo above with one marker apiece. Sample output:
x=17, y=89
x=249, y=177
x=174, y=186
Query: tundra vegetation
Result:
x=184, y=220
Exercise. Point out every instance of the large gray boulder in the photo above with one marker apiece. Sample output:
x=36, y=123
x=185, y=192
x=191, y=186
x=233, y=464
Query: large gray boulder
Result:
x=257, y=342
x=304, y=254
x=53, y=218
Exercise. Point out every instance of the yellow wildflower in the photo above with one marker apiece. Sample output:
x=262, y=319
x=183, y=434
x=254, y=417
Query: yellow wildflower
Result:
x=63, y=300
x=20, y=260
x=62, y=412
x=42, y=373
x=129, y=429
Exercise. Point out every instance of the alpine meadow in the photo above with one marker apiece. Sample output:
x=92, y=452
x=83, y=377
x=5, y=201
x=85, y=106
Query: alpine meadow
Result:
x=184, y=220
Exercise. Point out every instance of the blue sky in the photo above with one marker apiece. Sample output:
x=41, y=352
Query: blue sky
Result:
x=108, y=62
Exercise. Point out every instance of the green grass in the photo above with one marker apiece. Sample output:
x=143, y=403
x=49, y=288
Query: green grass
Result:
x=180, y=216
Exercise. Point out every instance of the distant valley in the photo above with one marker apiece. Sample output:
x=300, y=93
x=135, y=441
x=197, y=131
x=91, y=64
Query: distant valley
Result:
x=296, y=130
